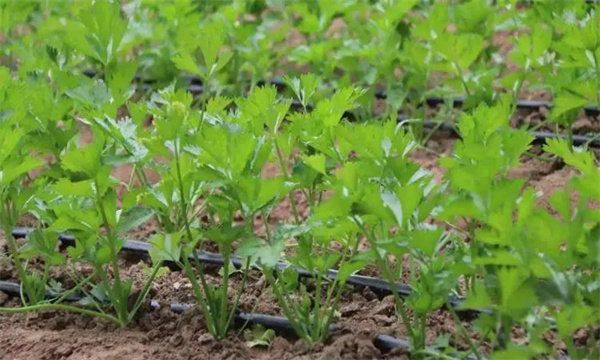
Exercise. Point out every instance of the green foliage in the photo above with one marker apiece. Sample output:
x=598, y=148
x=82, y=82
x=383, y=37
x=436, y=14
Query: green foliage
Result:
x=259, y=336
x=215, y=170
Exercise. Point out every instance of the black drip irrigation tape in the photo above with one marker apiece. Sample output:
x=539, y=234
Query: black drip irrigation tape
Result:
x=195, y=87
x=539, y=137
x=530, y=105
x=14, y=290
x=278, y=323
x=379, y=286
x=281, y=325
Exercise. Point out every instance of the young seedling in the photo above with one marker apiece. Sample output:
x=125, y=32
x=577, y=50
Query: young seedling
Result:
x=391, y=200
x=85, y=204
x=16, y=199
x=212, y=39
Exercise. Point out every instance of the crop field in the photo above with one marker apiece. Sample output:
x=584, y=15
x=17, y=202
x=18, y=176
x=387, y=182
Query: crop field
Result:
x=307, y=179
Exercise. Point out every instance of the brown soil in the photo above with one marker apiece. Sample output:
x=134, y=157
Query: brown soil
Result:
x=584, y=125
x=164, y=335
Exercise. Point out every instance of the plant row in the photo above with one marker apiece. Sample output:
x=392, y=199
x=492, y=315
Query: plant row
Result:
x=480, y=233
x=201, y=168
x=409, y=49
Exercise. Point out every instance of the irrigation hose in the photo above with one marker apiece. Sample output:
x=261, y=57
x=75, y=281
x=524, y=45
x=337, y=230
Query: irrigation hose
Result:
x=195, y=87
x=377, y=285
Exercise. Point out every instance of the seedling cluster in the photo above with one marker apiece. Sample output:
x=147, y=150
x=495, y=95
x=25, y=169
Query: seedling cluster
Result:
x=226, y=112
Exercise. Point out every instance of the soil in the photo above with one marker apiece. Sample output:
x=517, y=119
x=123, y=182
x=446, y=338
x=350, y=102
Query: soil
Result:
x=164, y=335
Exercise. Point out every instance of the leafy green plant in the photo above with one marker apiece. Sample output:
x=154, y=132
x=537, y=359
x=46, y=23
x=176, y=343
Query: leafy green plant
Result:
x=16, y=198
x=87, y=178
x=487, y=200
x=210, y=44
x=86, y=205
x=391, y=201
x=29, y=132
x=259, y=336
x=531, y=263
x=533, y=59
x=579, y=226
x=578, y=81
x=100, y=34
x=518, y=253
x=216, y=157
x=325, y=238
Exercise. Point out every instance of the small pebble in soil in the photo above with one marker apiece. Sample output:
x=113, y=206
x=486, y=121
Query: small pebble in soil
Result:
x=300, y=347
x=282, y=344
x=176, y=340
x=384, y=319
x=369, y=294
x=154, y=334
x=59, y=323
x=386, y=306
x=205, y=338
x=63, y=352
x=350, y=309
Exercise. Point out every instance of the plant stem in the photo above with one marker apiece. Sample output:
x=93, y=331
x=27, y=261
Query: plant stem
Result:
x=593, y=138
x=283, y=166
x=433, y=354
x=592, y=340
x=187, y=267
x=423, y=335
x=132, y=177
x=462, y=79
x=386, y=272
x=421, y=125
x=239, y=294
x=14, y=251
x=76, y=287
x=121, y=307
x=205, y=300
x=539, y=125
x=144, y=293
x=331, y=306
x=285, y=309
x=463, y=330
x=538, y=157
x=597, y=66
x=431, y=133
x=138, y=170
x=317, y=307
x=570, y=133
x=223, y=318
